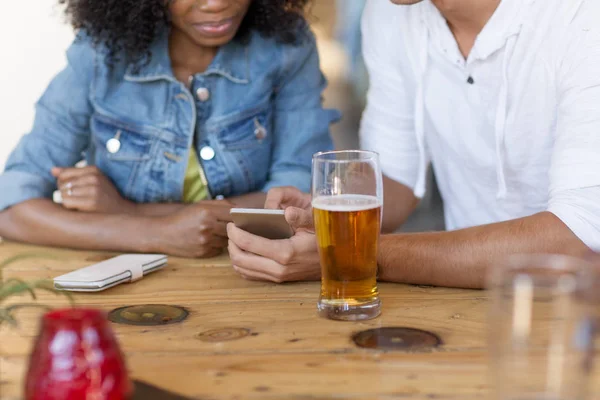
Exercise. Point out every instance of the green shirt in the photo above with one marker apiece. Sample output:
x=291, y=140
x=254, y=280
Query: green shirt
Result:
x=195, y=187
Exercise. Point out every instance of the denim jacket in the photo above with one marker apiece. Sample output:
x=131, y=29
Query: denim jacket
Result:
x=255, y=117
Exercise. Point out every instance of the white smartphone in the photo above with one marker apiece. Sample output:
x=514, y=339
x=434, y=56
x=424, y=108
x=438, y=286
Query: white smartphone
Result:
x=270, y=224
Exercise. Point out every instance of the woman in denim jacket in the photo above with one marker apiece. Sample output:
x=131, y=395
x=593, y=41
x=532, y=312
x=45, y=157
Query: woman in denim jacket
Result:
x=181, y=109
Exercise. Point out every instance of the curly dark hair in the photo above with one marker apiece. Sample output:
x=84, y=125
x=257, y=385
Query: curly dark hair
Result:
x=129, y=27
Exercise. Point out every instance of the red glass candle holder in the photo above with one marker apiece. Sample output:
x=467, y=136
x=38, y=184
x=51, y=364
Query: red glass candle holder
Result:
x=76, y=357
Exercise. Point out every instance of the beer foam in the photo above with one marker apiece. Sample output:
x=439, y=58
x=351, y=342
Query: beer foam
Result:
x=346, y=202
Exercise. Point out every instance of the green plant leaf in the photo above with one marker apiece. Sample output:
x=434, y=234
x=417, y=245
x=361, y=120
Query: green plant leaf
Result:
x=15, y=286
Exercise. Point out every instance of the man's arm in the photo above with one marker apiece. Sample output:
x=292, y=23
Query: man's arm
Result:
x=457, y=259
x=571, y=224
x=462, y=258
x=399, y=202
x=388, y=125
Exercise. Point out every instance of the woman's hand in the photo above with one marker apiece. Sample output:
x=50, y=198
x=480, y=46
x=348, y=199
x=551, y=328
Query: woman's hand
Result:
x=195, y=231
x=293, y=259
x=88, y=189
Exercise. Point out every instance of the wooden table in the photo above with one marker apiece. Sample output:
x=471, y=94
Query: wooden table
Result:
x=284, y=350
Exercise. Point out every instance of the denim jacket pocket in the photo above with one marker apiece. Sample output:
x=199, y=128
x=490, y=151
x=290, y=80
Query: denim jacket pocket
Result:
x=244, y=130
x=121, y=151
x=246, y=139
x=121, y=141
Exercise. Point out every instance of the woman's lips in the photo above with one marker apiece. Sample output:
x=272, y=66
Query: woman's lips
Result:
x=219, y=28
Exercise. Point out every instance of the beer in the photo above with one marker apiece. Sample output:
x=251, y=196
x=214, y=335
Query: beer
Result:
x=347, y=229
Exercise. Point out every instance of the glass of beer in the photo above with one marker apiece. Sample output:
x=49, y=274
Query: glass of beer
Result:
x=347, y=201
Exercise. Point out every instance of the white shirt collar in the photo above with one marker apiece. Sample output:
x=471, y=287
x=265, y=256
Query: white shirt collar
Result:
x=505, y=22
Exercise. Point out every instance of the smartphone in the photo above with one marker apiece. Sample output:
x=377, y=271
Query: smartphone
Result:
x=270, y=224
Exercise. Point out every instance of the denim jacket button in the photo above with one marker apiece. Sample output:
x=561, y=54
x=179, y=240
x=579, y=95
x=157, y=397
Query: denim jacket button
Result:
x=113, y=145
x=207, y=153
x=259, y=131
x=203, y=94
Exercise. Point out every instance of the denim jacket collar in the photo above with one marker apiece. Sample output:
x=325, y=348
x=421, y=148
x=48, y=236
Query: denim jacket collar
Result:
x=227, y=63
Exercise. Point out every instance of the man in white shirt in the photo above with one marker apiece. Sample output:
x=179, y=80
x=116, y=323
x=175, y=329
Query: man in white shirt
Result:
x=502, y=98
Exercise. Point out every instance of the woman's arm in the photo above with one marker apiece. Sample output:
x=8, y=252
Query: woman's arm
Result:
x=88, y=189
x=60, y=133
x=250, y=200
x=42, y=222
x=191, y=232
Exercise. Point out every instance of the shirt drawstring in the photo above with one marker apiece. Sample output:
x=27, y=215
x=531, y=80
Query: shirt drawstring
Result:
x=420, y=186
x=501, y=116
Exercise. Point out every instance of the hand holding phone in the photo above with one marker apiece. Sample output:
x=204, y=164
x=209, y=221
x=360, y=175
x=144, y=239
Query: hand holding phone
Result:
x=270, y=224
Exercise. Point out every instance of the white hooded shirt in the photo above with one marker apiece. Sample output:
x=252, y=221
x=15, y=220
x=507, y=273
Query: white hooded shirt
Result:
x=511, y=131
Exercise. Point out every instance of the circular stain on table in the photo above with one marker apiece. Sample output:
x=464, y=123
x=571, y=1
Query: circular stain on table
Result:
x=391, y=338
x=223, y=335
x=148, y=315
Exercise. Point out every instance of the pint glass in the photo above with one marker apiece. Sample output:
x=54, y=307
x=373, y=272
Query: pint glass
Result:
x=347, y=189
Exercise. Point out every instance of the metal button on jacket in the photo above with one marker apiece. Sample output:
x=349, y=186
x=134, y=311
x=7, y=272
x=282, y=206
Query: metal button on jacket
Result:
x=113, y=145
x=259, y=131
x=203, y=94
x=207, y=153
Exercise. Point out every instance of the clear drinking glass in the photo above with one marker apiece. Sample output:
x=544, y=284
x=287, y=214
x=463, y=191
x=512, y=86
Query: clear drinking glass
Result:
x=542, y=326
x=347, y=189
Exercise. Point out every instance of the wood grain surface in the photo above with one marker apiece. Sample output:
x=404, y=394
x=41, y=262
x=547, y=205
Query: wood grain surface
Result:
x=253, y=340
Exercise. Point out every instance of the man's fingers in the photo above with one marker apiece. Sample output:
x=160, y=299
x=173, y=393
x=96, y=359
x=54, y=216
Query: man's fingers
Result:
x=280, y=251
x=299, y=218
x=275, y=199
x=266, y=268
x=254, y=275
x=280, y=198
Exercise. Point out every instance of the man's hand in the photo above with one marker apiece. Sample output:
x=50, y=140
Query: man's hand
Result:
x=293, y=259
x=282, y=198
x=88, y=189
x=195, y=231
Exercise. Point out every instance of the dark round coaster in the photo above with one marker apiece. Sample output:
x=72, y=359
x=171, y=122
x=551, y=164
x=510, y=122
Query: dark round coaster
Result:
x=148, y=315
x=223, y=335
x=396, y=339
